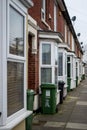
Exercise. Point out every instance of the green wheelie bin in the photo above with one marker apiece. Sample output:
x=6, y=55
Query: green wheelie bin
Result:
x=68, y=83
x=30, y=100
x=48, y=98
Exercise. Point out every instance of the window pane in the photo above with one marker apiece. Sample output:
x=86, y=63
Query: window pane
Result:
x=15, y=87
x=60, y=70
x=65, y=63
x=16, y=33
x=43, y=4
x=46, y=75
x=46, y=54
x=68, y=67
x=56, y=75
x=56, y=55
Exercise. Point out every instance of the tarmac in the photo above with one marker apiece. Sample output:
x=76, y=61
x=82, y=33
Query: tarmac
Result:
x=71, y=115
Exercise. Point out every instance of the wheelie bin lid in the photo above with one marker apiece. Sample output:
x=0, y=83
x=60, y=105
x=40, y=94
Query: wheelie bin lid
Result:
x=30, y=92
x=48, y=85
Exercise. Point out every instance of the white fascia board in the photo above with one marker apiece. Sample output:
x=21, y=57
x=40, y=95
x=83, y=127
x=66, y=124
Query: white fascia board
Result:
x=63, y=45
x=70, y=53
x=50, y=36
x=27, y=3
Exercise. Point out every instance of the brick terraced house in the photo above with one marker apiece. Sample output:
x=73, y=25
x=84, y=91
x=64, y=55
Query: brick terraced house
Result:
x=38, y=44
x=13, y=63
x=59, y=54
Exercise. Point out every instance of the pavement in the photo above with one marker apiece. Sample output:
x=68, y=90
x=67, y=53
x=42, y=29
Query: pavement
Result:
x=71, y=115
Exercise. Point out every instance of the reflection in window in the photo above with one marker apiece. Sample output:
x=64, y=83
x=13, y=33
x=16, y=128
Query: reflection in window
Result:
x=56, y=75
x=56, y=55
x=60, y=70
x=15, y=87
x=68, y=67
x=46, y=54
x=46, y=75
x=16, y=35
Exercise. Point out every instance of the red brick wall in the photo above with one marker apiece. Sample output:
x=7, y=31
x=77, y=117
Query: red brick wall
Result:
x=33, y=67
x=71, y=41
x=35, y=12
x=33, y=60
x=50, y=11
x=61, y=22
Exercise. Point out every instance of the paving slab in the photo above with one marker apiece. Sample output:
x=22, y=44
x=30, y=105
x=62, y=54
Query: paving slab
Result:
x=71, y=115
x=76, y=126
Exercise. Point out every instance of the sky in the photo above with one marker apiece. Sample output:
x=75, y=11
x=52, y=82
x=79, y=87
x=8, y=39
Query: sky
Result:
x=78, y=8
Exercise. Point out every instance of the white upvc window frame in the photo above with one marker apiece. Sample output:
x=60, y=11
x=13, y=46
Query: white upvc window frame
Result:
x=43, y=10
x=3, y=105
x=52, y=65
x=22, y=58
x=5, y=56
x=55, y=17
x=61, y=52
x=65, y=33
x=15, y=58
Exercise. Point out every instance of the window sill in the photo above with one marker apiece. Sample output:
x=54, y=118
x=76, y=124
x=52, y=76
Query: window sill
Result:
x=46, y=24
x=16, y=121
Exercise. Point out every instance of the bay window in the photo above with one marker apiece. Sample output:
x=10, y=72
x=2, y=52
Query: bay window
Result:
x=16, y=32
x=60, y=61
x=48, y=62
x=46, y=75
x=15, y=84
x=15, y=60
x=13, y=63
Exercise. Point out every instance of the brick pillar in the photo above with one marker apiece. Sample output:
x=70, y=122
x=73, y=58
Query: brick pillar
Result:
x=33, y=67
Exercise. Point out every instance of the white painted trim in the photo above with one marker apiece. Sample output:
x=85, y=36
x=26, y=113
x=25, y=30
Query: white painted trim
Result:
x=23, y=14
x=3, y=82
x=16, y=121
x=44, y=22
x=4, y=30
x=15, y=58
x=19, y=5
x=32, y=25
x=64, y=45
x=49, y=36
x=27, y=3
x=52, y=65
x=32, y=20
x=55, y=17
x=43, y=10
